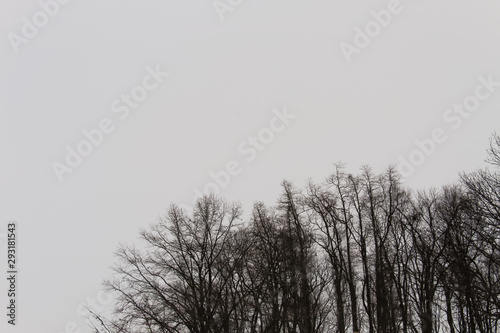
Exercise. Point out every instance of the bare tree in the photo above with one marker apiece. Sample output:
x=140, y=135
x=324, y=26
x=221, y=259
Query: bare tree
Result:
x=356, y=253
x=182, y=279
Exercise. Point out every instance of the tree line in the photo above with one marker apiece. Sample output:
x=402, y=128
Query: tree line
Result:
x=355, y=253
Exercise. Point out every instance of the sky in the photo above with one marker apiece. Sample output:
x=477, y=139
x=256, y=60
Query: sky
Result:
x=111, y=111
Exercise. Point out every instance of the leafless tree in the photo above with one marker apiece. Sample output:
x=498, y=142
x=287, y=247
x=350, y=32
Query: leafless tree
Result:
x=355, y=253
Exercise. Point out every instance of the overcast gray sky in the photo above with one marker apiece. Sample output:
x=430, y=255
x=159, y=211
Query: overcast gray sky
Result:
x=303, y=78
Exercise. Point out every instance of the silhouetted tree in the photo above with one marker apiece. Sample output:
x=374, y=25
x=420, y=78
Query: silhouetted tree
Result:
x=355, y=253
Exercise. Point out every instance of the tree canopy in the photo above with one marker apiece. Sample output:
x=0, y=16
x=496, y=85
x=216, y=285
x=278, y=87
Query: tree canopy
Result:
x=355, y=253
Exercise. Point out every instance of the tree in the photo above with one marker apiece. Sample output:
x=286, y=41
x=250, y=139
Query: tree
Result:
x=183, y=278
x=355, y=253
